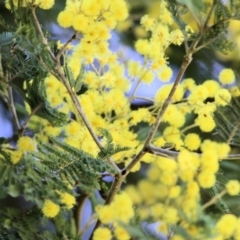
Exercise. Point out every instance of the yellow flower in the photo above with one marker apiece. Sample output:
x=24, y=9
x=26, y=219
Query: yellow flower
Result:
x=121, y=234
x=148, y=77
x=161, y=34
x=157, y=210
x=119, y=10
x=50, y=209
x=16, y=156
x=46, y=4
x=206, y=179
x=102, y=233
x=106, y=214
x=147, y=22
x=172, y=113
x=212, y=87
x=142, y=46
x=222, y=97
x=133, y=68
x=226, y=225
x=188, y=83
x=206, y=123
x=26, y=144
x=123, y=206
x=209, y=161
x=223, y=150
x=68, y=199
x=233, y=187
x=165, y=74
x=227, y=76
x=192, y=141
x=174, y=192
x=171, y=215
x=164, y=91
x=133, y=194
x=177, y=37
x=198, y=94
x=162, y=228
x=73, y=128
x=234, y=91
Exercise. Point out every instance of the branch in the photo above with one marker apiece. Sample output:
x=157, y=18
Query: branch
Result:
x=39, y=30
x=113, y=191
x=174, y=154
x=186, y=61
x=79, y=109
x=64, y=47
x=12, y=108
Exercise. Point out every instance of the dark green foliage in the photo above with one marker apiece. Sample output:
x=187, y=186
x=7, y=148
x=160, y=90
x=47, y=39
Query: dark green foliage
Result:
x=109, y=149
x=77, y=166
x=37, y=172
x=217, y=33
x=17, y=56
x=228, y=121
x=177, y=11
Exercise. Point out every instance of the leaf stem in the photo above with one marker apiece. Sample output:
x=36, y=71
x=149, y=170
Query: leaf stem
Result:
x=214, y=199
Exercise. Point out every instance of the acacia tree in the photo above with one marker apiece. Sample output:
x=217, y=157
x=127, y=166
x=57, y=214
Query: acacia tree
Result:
x=78, y=125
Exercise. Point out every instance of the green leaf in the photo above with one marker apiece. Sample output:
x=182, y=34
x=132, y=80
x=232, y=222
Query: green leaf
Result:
x=14, y=190
x=194, y=7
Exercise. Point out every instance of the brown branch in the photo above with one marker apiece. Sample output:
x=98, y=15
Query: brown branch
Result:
x=113, y=191
x=186, y=61
x=64, y=47
x=12, y=108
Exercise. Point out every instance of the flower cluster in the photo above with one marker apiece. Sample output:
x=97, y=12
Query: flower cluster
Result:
x=172, y=183
x=120, y=210
x=43, y=4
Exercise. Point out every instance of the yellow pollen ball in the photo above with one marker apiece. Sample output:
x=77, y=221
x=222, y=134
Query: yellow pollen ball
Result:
x=233, y=187
x=227, y=76
x=50, y=209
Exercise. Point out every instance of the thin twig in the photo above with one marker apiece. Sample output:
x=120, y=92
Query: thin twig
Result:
x=12, y=108
x=143, y=98
x=209, y=15
x=174, y=154
x=29, y=117
x=65, y=46
x=40, y=32
x=188, y=127
x=233, y=132
x=214, y=199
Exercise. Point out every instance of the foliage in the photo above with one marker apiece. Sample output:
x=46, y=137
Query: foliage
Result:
x=76, y=124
